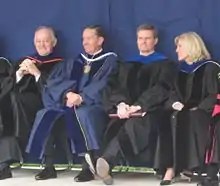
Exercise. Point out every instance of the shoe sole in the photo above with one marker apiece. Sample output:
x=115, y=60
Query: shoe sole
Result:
x=38, y=179
x=90, y=163
x=102, y=169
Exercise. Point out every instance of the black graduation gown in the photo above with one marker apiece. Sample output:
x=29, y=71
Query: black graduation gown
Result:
x=23, y=100
x=26, y=96
x=213, y=145
x=197, y=89
x=5, y=116
x=147, y=85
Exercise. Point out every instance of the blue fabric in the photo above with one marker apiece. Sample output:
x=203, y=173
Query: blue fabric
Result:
x=147, y=59
x=118, y=18
x=190, y=68
x=85, y=123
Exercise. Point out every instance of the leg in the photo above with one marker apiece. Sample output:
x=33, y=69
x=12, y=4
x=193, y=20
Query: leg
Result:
x=166, y=150
x=107, y=161
x=49, y=170
x=10, y=152
x=85, y=174
x=212, y=178
x=5, y=171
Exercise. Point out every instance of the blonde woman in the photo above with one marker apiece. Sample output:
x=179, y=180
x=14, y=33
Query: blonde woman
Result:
x=196, y=87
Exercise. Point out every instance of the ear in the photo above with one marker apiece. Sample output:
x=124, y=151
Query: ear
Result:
x=101, y=41
x=54, y=42
x=156, y=41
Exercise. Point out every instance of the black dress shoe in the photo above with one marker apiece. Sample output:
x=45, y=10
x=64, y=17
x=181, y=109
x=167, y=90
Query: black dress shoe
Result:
x=169, y=182
x=166, y=182
x=208, y=182
x=47, y=173
x=84, y=176
x=5, y=173
x=104, y=171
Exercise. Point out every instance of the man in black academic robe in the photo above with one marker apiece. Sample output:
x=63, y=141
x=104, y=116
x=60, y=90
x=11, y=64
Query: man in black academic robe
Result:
x=72, y=105
x=21, y=92
x=140, y=85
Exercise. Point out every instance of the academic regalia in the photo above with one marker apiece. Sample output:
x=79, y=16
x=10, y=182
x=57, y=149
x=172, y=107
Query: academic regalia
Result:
x=213, y=146
x=144, y=81
x=196, y=87
x=5, y=70
x=26, y=100
x=23, y=100
x=86, y=75
x=212, y=157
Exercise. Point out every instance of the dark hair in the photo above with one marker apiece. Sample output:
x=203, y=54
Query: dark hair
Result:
x=98, y=29
x=148, y=27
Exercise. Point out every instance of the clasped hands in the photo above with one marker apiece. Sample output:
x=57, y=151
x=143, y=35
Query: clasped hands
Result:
x=124, y=111
x=28, y=67
x=73, y=99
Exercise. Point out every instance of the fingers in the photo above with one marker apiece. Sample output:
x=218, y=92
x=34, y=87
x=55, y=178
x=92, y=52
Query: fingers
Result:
x=177, y=106
x=69, y=104
x=122, y=113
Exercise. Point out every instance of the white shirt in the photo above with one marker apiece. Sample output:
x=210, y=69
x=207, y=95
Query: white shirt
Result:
x=19, y=76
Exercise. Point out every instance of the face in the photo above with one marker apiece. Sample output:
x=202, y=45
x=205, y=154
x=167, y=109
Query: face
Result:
x=44, y=42
x=91, y=42
x=181, y=51
x=146, y=41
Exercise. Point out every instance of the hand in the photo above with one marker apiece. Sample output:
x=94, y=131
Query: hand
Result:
x=123, y=111
x=134, y=109
x=73, y=99
x=32, y=69
x=177, y=106
x=69, y=104
x=23, y=71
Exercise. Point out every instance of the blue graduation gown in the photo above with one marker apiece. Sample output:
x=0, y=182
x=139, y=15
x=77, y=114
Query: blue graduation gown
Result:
x=86, y=123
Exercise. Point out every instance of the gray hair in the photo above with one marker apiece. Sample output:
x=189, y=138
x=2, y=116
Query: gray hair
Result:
x=50, y=29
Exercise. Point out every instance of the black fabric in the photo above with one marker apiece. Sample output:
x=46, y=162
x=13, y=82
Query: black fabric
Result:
x=147, y=85
x=112, y=152
x=19, y=103
x=4, y=165
x=212, y=171
x=58, y=136
x=197, y=91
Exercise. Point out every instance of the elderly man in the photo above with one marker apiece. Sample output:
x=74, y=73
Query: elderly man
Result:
x=73, y=96
x=23, y=97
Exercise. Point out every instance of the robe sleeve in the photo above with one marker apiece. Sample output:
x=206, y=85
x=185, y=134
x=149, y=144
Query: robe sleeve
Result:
x=115, y=91
x=7, y=80
x=27, y=82
x=173, y=97
x=58, y=84
x=157, y=95
x=42, y=81
x=211, y=84
x=92, y=93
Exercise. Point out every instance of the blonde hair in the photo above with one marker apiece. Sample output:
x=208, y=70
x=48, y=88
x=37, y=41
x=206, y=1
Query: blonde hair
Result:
x=194, y=46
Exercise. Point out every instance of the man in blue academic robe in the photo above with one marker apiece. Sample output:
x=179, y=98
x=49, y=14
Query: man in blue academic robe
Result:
x=72, y=103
